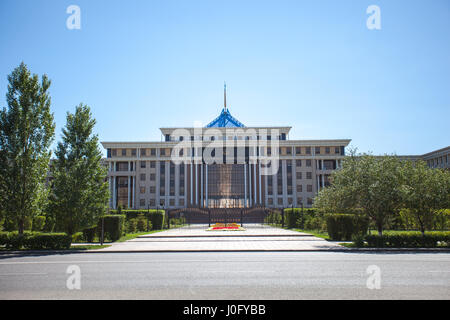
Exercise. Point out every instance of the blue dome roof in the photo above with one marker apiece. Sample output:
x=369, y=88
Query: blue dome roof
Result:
x=225, y=120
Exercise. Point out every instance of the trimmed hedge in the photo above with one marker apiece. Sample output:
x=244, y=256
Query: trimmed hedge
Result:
x=113, y=226
x=345, y=226
x=35, y=240
x=156, y=217
x=411, y=239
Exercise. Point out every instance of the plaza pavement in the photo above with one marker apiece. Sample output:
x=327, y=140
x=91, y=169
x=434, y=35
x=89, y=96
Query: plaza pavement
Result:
x=196, y=238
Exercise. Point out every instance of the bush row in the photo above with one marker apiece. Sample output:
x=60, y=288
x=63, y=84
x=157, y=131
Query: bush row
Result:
x=35, y=240
x=409, y=239
x=156, y=217
x=346, y=226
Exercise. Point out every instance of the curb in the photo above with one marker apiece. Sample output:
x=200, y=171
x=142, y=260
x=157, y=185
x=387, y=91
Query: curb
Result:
x=348, y=250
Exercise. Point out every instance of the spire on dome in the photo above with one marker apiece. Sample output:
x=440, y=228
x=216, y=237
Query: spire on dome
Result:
x=225, y=119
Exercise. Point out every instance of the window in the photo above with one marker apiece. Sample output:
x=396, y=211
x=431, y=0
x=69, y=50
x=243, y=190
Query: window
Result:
x=142, y=176
x=327, y=150
x=299, y=188
x=153, y=152
x=152, y=202
x=124, y=152
x=270, y=201
x=142, y=164
x=152, y=189
x=308, y=150
x=181, y=202
x=172, y=202
x=152, y=164
x=162, y=152
x=108, y=153
x=298, y=150
x=317, y=150
x=308, y=162
x=299, y=175
x=336, y=150
x=309, y=201
x=288, y=150
x=142, y=152
x=309, y=175
x=280, y=201
x=133, y=152
x=309, y=188
x=152, y=177
x=142, y=190
x=298, y=163
x=114, y=152
x=142, y=202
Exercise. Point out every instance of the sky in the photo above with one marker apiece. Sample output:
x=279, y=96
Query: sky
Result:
x=311, y=65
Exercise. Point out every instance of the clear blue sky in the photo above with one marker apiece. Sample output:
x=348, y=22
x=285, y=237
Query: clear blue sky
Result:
x=312, y=65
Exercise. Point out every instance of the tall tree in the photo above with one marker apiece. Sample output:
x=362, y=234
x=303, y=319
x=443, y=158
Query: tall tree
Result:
x=425, y=192
x=365, y=183
x=26, y=133
x=80, y=193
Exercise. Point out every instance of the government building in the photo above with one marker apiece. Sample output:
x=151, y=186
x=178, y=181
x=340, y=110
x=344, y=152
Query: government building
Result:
x=223, y=165
x=227, y=165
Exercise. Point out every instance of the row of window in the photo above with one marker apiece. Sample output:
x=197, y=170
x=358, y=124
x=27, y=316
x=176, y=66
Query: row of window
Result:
x=270, y=202
x=309, y=201
x=162, y=203
x=168, y=137
x=165, y=152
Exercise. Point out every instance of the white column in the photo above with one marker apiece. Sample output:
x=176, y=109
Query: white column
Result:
x=196, y=184
x=323, y=181
x=254, y=183
x=250, y=183
x=177, y=184
x=260, y=187
x=114, y=192
x=134, y=192
x=129, y=190
x=322, y=165
x=201, y=185
x=206, y=184
x=192, y=181
x=245, y=185
x=318, y=184
x=284, y=181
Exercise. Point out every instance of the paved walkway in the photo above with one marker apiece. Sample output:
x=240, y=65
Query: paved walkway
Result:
x=196, y=238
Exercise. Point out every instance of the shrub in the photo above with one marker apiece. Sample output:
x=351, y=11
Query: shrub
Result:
x=77, y=237
x=113, y=226
x=54, y=241
x=89, y=234
x=141, y=224
x=157, y=220
x=411, y=239
x=38, y=223
x=35, y=241
x=291, y=216
x=345, y=226
x=132, y=225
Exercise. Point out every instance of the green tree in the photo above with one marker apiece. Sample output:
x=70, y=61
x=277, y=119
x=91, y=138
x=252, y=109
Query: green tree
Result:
x=425, y=192
x=365, y=183
x=26, y=133
x=80, y=192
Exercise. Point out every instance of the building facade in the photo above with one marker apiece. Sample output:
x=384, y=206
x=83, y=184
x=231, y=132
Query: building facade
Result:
x=223, y=165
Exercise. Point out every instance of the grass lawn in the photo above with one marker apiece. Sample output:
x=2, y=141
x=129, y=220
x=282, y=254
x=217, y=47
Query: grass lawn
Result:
x=316, y=233
x=89, y=247
x=130, y=236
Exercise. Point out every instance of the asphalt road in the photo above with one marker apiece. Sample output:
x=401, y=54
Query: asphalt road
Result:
x=227, y=275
